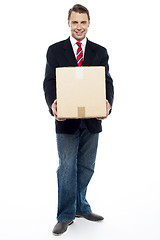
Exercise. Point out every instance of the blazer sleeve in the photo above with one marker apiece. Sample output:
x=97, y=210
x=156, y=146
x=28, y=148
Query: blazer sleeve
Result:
x=49, y=84
x=109, y=81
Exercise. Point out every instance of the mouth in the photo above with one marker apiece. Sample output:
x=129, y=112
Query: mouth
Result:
x=79, y=33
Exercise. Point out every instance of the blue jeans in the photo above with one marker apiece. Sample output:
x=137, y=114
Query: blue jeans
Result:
x=77, y=154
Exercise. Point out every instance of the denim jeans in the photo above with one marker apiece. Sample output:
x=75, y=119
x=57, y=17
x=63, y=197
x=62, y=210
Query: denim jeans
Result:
x=77, y=154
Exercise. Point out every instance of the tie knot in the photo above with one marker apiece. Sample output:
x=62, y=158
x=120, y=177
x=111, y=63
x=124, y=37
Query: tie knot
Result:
x=79, y=44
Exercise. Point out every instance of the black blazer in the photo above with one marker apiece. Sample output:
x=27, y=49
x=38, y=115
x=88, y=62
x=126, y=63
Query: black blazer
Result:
x=61, y=55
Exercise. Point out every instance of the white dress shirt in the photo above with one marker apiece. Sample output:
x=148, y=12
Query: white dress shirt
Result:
x=75, y=46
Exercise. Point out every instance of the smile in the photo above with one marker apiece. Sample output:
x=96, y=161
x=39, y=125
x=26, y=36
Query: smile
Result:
x=79, y=33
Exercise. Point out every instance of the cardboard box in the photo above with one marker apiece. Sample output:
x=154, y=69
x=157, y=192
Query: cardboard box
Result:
x=81, y=92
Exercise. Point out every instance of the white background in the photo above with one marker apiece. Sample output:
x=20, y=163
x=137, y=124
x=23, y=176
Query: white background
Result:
x=125, y=187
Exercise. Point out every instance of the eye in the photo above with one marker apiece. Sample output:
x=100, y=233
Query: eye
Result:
x=74, y=22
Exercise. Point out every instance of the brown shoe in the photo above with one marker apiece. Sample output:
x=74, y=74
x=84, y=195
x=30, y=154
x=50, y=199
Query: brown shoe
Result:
x=91, y=217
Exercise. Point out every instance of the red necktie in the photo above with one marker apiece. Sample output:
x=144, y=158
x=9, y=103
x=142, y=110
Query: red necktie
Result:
x=79, y=54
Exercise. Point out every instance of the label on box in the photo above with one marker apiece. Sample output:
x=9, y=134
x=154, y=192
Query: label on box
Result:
x=81, y=112
x=79, y=72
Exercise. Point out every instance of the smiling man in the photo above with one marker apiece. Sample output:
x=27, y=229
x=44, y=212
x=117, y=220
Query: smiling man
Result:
x=79, y=23
x=77, y=139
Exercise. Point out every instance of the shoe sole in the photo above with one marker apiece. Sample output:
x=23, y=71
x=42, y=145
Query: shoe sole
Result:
x=99, y=220
x=70, y=223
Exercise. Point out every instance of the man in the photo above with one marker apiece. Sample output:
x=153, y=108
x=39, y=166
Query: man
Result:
x=77, y=139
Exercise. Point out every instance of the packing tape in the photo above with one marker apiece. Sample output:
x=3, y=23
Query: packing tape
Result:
x=81, y=112
x=79, y=72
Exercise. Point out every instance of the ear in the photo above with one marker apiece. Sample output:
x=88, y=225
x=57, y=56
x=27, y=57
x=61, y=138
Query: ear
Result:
x=88, y=23
x=69, y=23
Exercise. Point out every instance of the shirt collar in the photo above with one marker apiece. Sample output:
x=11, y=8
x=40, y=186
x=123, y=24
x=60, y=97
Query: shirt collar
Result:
x=74, y=41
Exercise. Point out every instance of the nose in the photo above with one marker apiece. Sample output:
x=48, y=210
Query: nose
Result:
x=79, y=26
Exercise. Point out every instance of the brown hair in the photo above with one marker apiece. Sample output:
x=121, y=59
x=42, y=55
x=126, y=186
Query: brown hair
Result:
x=80, y=9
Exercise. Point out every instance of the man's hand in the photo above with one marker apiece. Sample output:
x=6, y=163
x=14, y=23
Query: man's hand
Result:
x=54, y=110
x=108, y=108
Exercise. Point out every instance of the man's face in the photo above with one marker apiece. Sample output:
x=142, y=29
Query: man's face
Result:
x=79, y=24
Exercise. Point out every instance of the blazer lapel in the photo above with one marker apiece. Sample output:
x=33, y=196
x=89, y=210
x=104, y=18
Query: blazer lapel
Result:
x=68, y=53
x=89, y=54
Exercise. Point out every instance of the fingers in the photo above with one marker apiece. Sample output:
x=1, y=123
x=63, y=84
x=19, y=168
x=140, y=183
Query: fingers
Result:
x=108, y=107
x=54, y=110
x=60, y=119
x=54, y=107
x=101, y=118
